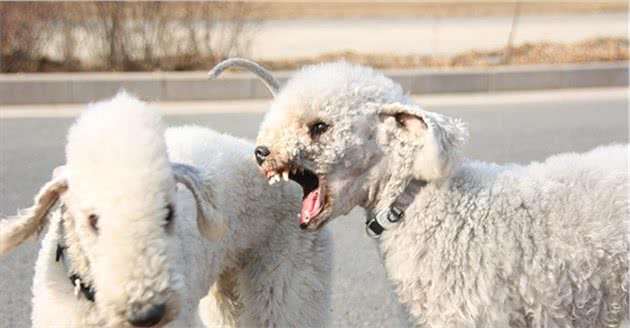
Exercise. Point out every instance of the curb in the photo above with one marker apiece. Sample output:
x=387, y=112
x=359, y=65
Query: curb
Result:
x=65, y=88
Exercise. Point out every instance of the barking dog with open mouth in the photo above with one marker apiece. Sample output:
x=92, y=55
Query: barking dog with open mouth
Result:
x=323, y=121
x=465, y=243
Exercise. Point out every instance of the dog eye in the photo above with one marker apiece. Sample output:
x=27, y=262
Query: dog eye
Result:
x=400, y=120
x=93, y=220
x=318, y=128
x=169, y=215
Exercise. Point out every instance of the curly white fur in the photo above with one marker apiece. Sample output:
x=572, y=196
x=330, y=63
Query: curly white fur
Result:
x=270, y=273
x=118, y=169
x=481, y=245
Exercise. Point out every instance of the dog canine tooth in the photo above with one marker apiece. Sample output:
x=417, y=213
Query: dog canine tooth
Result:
x=305, y=224
x=285, y=175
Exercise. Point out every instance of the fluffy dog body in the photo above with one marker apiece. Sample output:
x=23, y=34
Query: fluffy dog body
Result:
x=129, y=234
x=533, y=246
x=270, y=273
x=121, y=235
x=480, y=245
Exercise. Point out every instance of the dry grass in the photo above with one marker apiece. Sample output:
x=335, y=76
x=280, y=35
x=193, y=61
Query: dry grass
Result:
x=293, y=9
x=123, y=36
x=139, y=36
x=591, y=50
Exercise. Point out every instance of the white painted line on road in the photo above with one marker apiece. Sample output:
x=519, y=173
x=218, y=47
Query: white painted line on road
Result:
x=261, y=106
x=167, y=108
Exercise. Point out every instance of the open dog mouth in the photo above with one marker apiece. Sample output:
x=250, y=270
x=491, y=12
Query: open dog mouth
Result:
x=313, y=198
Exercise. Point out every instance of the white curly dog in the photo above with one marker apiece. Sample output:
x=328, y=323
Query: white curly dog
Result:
x=465, y=243
x=126, y=250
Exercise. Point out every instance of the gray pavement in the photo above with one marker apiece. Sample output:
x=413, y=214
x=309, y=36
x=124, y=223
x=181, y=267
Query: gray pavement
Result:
x=504, y=128
x=63, y=88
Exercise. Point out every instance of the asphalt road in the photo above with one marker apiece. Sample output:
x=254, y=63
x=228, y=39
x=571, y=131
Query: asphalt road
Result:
x=504, y=128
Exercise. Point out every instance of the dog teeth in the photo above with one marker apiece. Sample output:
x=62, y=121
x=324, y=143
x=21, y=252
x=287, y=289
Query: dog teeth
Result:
x=277, y=177
x=272, y=179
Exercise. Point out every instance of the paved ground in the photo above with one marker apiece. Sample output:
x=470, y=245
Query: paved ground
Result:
x=513, y=127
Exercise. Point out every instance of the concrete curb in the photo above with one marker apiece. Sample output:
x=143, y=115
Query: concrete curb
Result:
x=64, y=88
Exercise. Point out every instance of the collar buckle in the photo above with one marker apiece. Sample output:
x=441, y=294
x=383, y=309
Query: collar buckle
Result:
x=376, y=224
x=374, y=229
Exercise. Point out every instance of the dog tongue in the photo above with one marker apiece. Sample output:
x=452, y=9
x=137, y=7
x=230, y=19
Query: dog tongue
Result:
x=311, y=206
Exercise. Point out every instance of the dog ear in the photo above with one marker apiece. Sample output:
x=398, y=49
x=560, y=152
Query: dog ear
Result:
x=209, y=222
x=438, y=138
x=15, y=230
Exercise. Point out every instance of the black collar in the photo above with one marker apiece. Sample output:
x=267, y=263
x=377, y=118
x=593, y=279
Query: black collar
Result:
x=75, y=279
x=377, y=221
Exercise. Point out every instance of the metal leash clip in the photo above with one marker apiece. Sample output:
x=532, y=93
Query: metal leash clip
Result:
x=395, y=215
x=375, y=225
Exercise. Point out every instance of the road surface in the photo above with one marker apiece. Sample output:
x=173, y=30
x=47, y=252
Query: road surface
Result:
x=506, y=128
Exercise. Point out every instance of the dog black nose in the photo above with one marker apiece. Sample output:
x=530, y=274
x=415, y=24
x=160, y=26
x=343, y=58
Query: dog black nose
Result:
x=261, y=153
x=146, y=316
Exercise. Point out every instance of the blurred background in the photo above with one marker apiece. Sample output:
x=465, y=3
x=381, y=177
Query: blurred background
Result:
x=176, y=36
x=531, y=79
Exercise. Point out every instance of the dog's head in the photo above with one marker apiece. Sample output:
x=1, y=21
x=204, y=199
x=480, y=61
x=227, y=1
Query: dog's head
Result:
x=344, y=132
x=118, y=187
